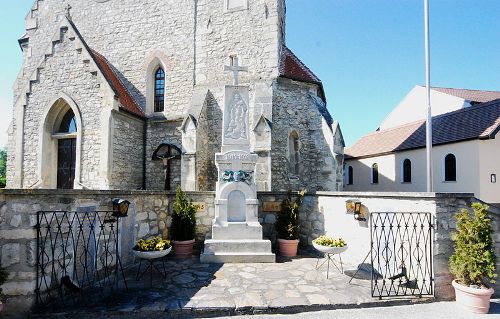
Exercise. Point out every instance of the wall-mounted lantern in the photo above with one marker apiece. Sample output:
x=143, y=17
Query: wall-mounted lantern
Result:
x=120, y=207
x=354, y=207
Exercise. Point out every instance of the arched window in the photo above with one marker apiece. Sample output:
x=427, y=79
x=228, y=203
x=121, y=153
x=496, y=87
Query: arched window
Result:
x=350, y=175
x=293, y=153
x=68, y=123
x=159, y=104
x=406, y=172
x=375, y=173
x=450, y=168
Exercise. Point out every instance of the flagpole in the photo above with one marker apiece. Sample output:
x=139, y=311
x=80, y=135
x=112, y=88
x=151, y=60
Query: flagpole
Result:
x=428, y=135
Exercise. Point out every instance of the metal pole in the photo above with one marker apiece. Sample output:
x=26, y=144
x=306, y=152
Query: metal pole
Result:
x=428, y=135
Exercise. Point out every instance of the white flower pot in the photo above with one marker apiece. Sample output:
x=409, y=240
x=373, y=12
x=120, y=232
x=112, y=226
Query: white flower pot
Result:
x=330, y=250
x=152, y=254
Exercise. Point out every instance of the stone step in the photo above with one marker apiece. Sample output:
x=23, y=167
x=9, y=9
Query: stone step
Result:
x=221, y=258
x=237, y=246
x=237, y=231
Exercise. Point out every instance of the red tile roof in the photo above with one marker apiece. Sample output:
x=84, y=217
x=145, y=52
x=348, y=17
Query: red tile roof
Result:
x=481, y=121
x=292, y=68
x=126, y=100
x=470, y=95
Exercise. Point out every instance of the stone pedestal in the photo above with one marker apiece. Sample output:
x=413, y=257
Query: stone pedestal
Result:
x=236, y=231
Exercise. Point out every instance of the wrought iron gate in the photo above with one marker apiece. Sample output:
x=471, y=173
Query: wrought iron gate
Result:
x=401, y=254
x=77, y=258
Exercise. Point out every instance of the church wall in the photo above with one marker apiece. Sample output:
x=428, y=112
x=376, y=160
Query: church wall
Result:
x=64, y=72
x=162, y=131
x=128, y=152
x=295, y=110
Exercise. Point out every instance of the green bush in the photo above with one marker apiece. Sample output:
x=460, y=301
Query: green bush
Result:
x=288, y=222
x=473, y=261
x=183, y=217
x=3, y=169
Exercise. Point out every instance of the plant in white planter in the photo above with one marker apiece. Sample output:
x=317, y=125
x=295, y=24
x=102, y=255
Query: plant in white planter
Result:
x=473, y=262
x=152, y=248
x=330, y=245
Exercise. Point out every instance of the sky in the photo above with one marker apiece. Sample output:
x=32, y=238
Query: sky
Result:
x=368, y=53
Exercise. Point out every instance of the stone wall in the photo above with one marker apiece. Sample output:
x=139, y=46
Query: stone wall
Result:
x=150, y=215
x=127, y=171
x=295, y=109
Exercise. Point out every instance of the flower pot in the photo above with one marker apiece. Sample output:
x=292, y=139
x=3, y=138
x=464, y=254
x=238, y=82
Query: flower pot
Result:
x=152, y=254
x=328, y=249
x=183, y=248
x=474, y=300
x=288, y=248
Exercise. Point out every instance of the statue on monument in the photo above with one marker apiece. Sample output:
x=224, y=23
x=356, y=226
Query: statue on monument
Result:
x=236, y=128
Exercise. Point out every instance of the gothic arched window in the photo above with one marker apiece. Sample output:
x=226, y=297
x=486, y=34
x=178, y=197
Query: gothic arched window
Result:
x=406, y=176
x=293, y=153
x=375, y=173
x=159, y=104
x=68, y=123
x=350, y=175
x=450, y=168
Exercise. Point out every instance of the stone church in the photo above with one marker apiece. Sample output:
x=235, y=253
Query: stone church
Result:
x=127, y=94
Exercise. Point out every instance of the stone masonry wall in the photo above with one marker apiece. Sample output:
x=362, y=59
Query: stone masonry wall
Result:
x=65, y=72
x=294, y=109
x=128, y=152
x=323, y=213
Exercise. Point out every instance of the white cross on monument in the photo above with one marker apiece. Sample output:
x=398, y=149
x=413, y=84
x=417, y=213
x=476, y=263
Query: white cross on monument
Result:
x=236, y=69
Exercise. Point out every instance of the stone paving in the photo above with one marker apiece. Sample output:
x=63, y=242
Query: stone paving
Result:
x=290, y=285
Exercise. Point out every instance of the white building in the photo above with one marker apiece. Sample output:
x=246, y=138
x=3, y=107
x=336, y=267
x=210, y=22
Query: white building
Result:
x=465, y=155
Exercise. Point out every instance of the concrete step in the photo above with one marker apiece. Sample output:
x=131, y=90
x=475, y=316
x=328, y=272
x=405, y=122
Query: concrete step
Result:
x=237, y=231
x=221, y=258
x=237, y=246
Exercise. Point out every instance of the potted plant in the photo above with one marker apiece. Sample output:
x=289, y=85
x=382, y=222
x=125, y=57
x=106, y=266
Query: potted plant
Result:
x=330, y=245
x=473, y=260
x=288, y=224
x=183, y=229
x=3, y=278
x=152, y=248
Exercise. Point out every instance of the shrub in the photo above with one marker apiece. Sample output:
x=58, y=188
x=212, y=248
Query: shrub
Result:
x=473, y=261
x=288, y=221
x=183, y=217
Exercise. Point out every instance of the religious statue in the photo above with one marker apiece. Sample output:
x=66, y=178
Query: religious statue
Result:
x=237, y=127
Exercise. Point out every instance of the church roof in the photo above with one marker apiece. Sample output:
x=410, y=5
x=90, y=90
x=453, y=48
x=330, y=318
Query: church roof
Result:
x=292, y=67
x=481, y=121
x=126, y=100
x=470, y=95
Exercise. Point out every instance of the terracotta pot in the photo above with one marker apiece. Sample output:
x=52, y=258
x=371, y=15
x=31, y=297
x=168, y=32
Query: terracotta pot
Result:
x=474, y=300
x=288, y=248
x=183, y=249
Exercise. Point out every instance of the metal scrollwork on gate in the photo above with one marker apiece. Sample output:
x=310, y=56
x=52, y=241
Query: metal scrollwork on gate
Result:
x=401, y=254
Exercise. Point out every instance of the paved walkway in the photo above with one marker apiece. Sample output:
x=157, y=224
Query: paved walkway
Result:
x=191, y=288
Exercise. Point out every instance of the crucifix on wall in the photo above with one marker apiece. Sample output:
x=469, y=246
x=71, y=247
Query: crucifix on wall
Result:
x=167, y=153
x=235, y=68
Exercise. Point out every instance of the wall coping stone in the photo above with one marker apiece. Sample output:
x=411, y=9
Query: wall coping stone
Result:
x=423, y=195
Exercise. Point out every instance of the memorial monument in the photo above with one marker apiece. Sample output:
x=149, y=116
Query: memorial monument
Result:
x=236, y=231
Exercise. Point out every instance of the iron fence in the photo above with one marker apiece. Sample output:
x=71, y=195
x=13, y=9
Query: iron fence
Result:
x=77, y=259
x=401, y=254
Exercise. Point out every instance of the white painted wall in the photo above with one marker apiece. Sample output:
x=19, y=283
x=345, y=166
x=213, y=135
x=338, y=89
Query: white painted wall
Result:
x=413, y=107
x=476, y=161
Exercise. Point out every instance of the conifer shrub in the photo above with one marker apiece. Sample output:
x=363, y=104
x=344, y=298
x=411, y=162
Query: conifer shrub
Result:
x=288, y=222
x=473, y=260
x=183, y=217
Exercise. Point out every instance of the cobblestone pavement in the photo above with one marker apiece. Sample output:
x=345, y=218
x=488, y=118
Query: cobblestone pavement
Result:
x=190, y=287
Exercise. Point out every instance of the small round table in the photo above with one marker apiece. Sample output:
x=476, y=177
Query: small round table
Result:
x=328, y=253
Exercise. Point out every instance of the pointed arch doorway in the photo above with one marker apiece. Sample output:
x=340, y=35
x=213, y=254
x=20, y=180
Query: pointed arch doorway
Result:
x=60, y=147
